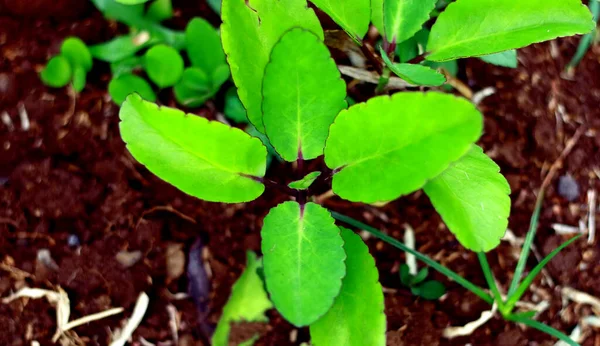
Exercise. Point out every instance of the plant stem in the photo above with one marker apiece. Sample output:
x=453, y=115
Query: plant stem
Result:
x=491, y=281
x=423, y=258
x=368, y=53
x=383, y=81
x=417, y=59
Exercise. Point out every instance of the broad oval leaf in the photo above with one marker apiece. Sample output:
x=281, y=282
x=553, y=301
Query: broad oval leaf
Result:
x=194, y=88
x=164, y=65
x=303, y=92
x=57, y=72
x=505, y=59
x=479, y=27
x=357, y=316
x=248, y=301
x=160, y=10
x=77, y=53
x=413, y=73
x=377, y=15
x=303, y=260
x=124, y=85
x=352, y=15
x=249, y=33
x=206, y=159
x=204, y=45
x=472, y=198
x=390, y=146
x=403, y=18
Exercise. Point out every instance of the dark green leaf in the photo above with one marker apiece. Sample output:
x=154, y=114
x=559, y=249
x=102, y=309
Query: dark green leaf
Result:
x=405, y=276
x=421, y=275
x=432, y=290
x=126, y=65
x=234, y=109
x=204, y=45
x=194, y=88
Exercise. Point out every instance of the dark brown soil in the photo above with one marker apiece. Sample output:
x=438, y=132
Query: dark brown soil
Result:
x=68, y=175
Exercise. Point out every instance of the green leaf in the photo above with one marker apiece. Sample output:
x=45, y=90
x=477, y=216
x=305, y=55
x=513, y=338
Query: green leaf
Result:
x=357, y=317
x=472, y=198
x=303, y=92
x=248, y=301
x=128, y=14
x=352, y=15
x=206, y=159
x=125, y=84
x=215, y=5
x=160, y=10
x=414, y=74
x=506, y=59
x=220, y=75
x=450, y=66
x=391, y=146
x=126, y=65
x=79, y=77
x=430, y=290
x=405, y=276
x=421, y=275
x=305, y=182
x=121, y=47
x=234, y=109
x=194, y=88
x=164, y=65
x=77, y=53
x=303, y=260
x=403, y=18
x=57, y=73
x=479, y=27
x=248, y=45
x=377, y=15
x=131, y=2
x=204, y=45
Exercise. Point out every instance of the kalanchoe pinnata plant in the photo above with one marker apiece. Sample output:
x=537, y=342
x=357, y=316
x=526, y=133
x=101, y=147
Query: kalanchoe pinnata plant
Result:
x=316, y=273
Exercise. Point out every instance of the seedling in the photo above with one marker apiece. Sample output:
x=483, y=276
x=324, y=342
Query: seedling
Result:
x=151, y=48
x=316, y=273
x=430, y=289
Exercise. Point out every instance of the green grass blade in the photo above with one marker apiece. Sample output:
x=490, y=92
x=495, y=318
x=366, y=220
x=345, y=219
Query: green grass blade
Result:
x=527, y=244
x=491, y=281
x=543, y=328
x=423, y=258
x=587, y=39
x=514, y=298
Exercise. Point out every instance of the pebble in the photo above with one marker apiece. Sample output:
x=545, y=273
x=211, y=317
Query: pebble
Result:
x=568, y=188
x=73, y=240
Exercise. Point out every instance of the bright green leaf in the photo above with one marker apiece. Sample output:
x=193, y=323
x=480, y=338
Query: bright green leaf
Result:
x=132, y=2
x=234, y=109
x=248, y=45
x=506, y=59
x=77, y=53
x=160, y=10
x=121, y=47
x=305, y=182
x=57, y=73
x=248, y=301
x=391, y=146
x=204, y=45
x=352, y=15
x=164, y=65
x=303, y=92
x=377, y=15
x=472, y=198
x=79, y=78
x=449, y=66
x=194, y=88
x=479, y=27
x=303, y=260
x=126, y=65
x=413, y=73
x=125, y=84
x=403, y=18
x=206, y=159
x=220, y=75
x=357, y=317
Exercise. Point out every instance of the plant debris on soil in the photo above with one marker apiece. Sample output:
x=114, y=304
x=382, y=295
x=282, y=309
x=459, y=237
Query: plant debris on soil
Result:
x=109, y=230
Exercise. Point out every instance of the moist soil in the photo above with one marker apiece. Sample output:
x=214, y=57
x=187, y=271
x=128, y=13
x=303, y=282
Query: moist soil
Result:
x=113, y=230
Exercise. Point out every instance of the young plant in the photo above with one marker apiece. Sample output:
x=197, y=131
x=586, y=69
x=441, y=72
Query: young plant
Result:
x=71, y=65
x=316, y=273
x=430, y=289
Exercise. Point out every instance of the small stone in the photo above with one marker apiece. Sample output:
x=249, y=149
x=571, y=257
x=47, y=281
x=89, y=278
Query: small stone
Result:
x=568, y=188
x=73, y=240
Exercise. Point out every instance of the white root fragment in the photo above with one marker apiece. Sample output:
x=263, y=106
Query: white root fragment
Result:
x=482, y=94
x=581, y=331
x=562, y=229
x=469, y=328
x=138, y=314
x=409, y=240
x=25, y=125
x=173, y=323
x=581, y=298
x=591, y=195
x=372, y=77
x=6, y=120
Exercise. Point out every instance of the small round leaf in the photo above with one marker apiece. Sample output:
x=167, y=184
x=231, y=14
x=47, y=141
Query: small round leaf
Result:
x=164, y=65
x=124, y=85
x=77, y=53
x=57, y=73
